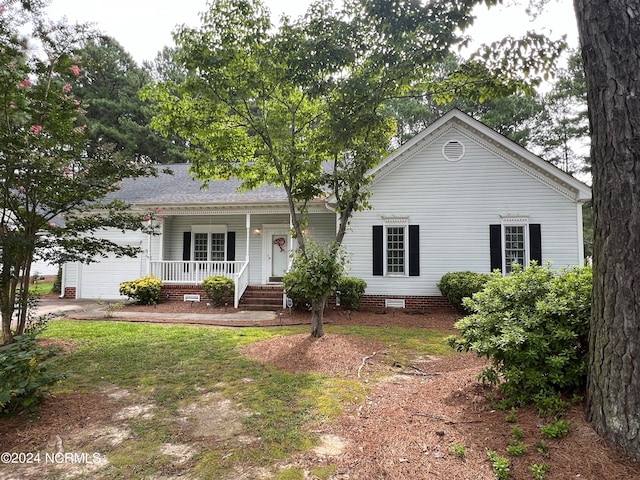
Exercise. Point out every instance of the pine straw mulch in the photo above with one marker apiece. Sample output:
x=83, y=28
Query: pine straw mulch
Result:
x=407, y=424
x=380, y=317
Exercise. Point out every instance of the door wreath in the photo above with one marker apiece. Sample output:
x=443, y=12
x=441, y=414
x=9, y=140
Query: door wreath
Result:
x=280, y=242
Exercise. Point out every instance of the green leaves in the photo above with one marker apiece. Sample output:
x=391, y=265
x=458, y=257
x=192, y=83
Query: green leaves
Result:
x=219, y=289
x=533, y=326
x=108, y=86
x=456, y=286
x=532, y=58
x=47, y=170
x=24, y=376
x=315, y=273
x=144, y=290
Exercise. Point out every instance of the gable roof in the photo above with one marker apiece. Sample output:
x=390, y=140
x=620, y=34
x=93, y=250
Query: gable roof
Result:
x=498, y=143
x=182, y=189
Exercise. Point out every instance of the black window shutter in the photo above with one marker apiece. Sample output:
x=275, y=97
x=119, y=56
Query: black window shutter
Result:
x=535, y=243
x=495, y=246
x=231, y=246
x=378, y=252
x=186, y=246
x=414, y=250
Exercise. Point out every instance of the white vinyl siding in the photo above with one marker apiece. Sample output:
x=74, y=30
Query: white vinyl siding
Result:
x=174, y=228
x=454, y=203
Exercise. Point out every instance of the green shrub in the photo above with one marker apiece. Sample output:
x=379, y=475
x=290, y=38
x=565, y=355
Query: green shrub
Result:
x=57, y=285
x=533, y=325
x=456, y=286
x=499, y=464
x=539, y=470
x=516, y=448
x=459, y=450
x=542, y=448
x=314, y=275
x=517, y=432
x=24, y=379
x=219, y=289
x=144, y=290
x=351, y=290
x=558, y=429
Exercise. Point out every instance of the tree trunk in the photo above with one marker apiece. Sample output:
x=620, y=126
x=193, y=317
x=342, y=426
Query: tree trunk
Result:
x=610, y=41
x=7, y=295
x=23, y=296
x=7, y=335
x=317, y=315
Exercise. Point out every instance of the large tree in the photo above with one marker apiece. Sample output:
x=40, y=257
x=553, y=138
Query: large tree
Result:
x=50, y=189
x=109, y=84
x=562, y=127
x=610, y=43
x=303, y=106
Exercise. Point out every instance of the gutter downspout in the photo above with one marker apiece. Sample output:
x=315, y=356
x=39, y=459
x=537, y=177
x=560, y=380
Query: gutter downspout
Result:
x=580, y=223
x=63, y=279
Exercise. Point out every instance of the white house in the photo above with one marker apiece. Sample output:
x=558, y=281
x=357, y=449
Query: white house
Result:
x=456, y=197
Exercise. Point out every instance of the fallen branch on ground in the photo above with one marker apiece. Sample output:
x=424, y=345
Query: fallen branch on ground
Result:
x=364, y=361
x=442, y=419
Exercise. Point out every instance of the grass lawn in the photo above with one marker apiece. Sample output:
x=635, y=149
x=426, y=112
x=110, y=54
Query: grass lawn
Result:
x=172, y=368
x=41, y=288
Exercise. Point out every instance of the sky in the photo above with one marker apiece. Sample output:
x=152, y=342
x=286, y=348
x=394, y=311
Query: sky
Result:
x=143, y=27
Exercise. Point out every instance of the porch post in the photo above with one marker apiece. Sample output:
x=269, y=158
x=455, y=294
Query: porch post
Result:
x=248, y=225
x=290, y=236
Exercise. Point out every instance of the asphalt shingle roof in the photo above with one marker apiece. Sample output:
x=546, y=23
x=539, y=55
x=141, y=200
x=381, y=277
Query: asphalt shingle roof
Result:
x=182, y=188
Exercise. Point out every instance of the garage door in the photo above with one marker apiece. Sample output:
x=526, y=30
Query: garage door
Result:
x=102, y=280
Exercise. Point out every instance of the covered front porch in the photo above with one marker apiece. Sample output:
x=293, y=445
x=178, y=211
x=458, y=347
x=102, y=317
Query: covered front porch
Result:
x=250, y=247
x=193, y=273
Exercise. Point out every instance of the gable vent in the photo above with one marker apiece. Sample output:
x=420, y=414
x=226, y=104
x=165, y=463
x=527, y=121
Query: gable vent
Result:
x=453, y=150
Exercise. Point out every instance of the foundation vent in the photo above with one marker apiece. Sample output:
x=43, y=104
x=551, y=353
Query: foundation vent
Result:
x=191, y=297
x=394, y=303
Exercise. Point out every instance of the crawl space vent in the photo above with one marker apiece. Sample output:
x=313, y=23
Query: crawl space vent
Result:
x=394, y=303
x=191, y=297
x=453, y=150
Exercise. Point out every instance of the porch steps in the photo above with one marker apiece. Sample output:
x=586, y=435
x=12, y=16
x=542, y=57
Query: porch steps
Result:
x=262, y=297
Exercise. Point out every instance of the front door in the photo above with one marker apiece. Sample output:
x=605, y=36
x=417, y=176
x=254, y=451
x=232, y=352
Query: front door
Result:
x=277, y=251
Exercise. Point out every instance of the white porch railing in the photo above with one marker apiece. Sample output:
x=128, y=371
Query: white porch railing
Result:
x=193, y=273
x=242, y=282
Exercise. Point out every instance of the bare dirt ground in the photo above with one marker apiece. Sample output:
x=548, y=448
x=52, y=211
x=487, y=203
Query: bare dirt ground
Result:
x=407, y=427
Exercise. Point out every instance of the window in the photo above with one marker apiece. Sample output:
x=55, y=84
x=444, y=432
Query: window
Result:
x=209, y=244
x=515, y=250
x=217, y=247
x=514, y=241
x=200, y=247
x=396, y=250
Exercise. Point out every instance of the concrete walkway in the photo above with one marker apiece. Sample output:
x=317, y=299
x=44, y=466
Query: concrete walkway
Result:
x=91, y=310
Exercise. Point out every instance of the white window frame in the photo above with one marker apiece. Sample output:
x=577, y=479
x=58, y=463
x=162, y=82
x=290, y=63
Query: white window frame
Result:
x=515, y=221
x=402, y=223
x=208, y=230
